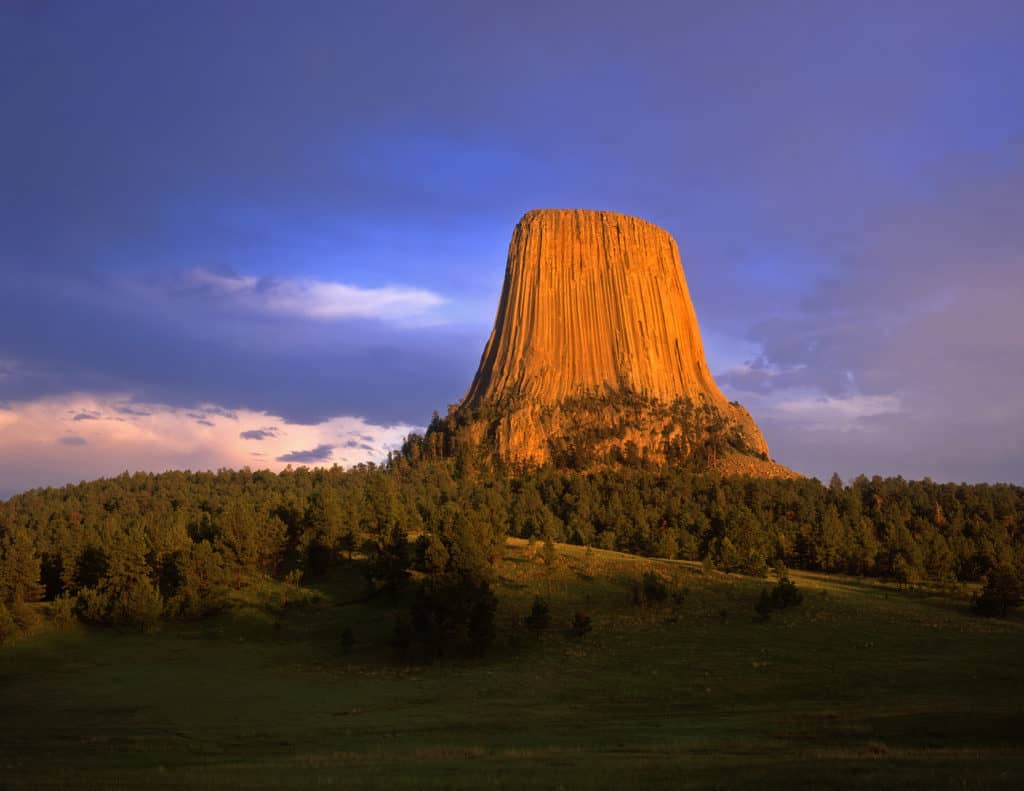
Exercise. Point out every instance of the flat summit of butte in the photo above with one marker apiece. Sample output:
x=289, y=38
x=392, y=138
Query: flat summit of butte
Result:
x=596, y=358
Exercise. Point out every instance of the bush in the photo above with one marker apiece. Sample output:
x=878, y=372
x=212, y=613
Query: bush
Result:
x=481, y=620
x=389, y=562
x=191, y=603
x=550, y=554
x=649, y=589
x=91, y=605
x=24, y=615
x=580, y=625
x=540, y=615
x=764, y=607
x=785, y=594
x=448, y=606
x=348, y=639
x=1003, y=590
x=8, y=628
x=139, y=604
x=62, y=610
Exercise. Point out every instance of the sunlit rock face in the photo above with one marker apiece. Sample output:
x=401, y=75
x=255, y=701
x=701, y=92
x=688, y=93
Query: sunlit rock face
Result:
x=596, y=353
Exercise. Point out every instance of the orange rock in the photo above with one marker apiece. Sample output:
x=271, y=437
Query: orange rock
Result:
x=595, y=321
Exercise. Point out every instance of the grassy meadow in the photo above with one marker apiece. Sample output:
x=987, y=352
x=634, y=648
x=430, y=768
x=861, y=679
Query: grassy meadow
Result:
x=862, y=686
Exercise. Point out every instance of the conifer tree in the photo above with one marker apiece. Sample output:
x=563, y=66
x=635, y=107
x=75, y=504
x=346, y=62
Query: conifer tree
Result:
x=19, y=568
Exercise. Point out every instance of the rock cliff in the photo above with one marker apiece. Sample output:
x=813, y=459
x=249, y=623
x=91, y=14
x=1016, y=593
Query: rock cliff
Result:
x=596, y=354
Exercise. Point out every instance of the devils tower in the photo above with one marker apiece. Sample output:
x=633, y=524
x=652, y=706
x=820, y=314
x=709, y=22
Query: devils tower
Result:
x=596, y=356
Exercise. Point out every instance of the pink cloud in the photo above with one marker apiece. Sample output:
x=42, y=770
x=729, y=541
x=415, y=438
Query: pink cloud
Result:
x=42, y=443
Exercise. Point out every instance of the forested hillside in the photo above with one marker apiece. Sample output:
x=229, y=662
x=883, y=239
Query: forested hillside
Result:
x=148, y=546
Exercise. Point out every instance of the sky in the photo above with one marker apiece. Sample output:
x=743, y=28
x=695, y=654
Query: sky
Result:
x=266, y=233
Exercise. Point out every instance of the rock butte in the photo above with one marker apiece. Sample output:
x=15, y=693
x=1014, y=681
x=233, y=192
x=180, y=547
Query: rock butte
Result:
x=594, y=305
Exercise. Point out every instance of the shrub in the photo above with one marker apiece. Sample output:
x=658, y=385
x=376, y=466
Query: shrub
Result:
x=540, y=615
x=1003, y=590
x=62, y=610
x=786, y=594
x=481, y=620
x=24, y=615
x=549, y=553
x=783, y=595
x=580, y=625
x=679, y=596
x=764, y=605
x=8, y=628
x=141, y=605
x=91, y=605
x=449, y=605
x=649, y=589
x=138, y=604
x=192, y=603
x=389, y=562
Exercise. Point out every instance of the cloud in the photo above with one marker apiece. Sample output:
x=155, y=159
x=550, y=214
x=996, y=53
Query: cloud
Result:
x=768, y=184
x=186, y=349
x=87, y=416
x=318, y=299
x=218, y=411
x=906, y=358
x=759, y=377
x=841, y=414
x=259, y=433
x=128, y=409
x=319, y=453
x=155, y=437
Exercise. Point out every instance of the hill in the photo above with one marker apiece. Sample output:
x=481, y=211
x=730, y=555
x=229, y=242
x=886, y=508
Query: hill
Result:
x=861, y=686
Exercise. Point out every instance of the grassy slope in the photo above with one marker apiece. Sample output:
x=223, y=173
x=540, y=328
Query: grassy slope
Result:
x=862, y=686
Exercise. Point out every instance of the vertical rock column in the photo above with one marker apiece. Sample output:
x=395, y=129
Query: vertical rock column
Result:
x=592, y=301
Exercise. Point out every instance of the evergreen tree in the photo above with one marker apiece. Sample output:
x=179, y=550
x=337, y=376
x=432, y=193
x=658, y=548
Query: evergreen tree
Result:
x=19, y=568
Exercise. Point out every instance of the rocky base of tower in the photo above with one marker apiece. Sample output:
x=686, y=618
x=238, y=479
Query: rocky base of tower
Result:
x=596, y=431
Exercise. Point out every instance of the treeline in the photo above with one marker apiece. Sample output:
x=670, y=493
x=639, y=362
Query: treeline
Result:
x=141, y=547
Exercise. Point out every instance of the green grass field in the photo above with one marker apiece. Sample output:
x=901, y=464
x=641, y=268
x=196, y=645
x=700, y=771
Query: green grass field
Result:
x=863, y=686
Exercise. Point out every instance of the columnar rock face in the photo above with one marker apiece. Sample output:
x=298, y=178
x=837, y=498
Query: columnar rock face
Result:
x=596, y=351
x=593, y=300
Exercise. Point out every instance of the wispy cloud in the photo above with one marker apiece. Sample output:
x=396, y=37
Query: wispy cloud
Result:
x=128, y=409
x=319, y=453
x=838, y=413
x=259, y=433
x=318, y=299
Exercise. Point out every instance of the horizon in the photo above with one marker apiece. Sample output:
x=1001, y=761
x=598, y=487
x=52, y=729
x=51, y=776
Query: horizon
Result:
x=240, y=237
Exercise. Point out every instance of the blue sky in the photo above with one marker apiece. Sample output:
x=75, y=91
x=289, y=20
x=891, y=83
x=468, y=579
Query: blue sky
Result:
x=295, y=216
